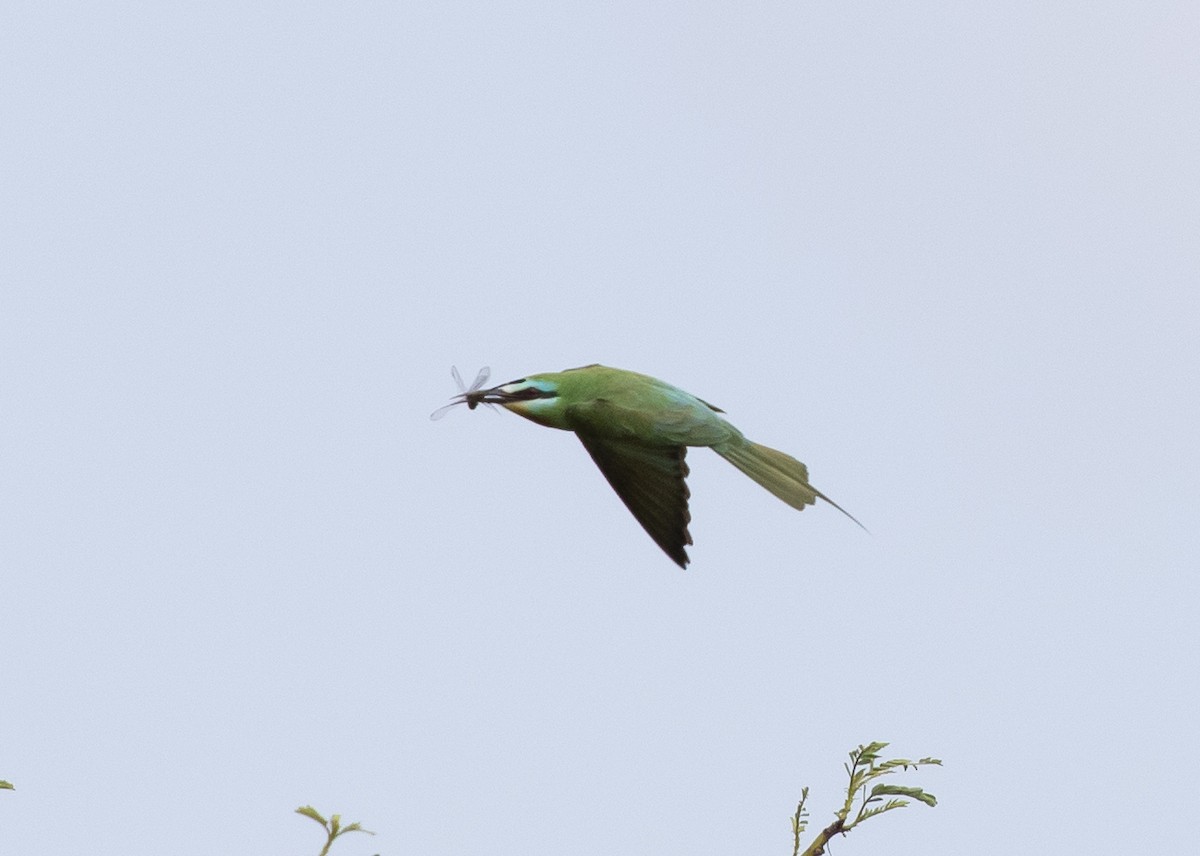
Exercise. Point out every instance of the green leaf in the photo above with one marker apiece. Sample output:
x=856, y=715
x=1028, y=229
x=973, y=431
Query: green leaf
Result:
x=903, y=791
x=309, y=811
x=888, y=806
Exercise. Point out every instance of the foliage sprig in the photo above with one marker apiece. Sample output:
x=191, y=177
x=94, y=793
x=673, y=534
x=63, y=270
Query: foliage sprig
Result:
x=333, y=826
x=863, y=769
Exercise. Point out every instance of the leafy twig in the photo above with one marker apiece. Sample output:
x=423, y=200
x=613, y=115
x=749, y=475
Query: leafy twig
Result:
x=799, y=821
x=333, y=826
x=864, y=768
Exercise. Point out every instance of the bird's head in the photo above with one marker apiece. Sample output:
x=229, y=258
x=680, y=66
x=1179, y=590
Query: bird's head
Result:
x=542, y=398
x=535, y=397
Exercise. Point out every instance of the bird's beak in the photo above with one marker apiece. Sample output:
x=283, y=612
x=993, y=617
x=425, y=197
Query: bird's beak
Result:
x=497, y=395
x=482, y=396
x=513, y=392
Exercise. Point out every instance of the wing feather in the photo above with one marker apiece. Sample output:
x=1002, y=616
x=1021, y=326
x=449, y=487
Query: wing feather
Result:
x=651, y=482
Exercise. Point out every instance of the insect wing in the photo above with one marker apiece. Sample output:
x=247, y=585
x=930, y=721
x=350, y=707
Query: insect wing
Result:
x=480, y=379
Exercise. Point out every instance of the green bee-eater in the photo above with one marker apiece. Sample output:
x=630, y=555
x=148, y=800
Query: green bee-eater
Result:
x=637, y=429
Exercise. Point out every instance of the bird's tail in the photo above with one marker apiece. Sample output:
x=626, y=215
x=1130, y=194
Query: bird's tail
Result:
x=779, y=473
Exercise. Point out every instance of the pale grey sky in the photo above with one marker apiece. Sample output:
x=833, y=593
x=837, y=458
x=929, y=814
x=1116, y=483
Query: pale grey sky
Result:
x=946, y=254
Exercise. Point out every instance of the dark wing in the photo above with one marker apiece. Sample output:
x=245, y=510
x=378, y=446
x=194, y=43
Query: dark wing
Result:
x=650, y=481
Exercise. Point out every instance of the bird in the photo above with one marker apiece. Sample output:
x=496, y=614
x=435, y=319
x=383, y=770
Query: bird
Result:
x=637, y=430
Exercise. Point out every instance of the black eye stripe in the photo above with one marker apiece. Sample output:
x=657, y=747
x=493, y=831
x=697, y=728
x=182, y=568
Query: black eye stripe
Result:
x=528, y=393
x=531, y=392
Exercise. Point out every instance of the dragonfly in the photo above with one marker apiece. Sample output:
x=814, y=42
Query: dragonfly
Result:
x=467, y=395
